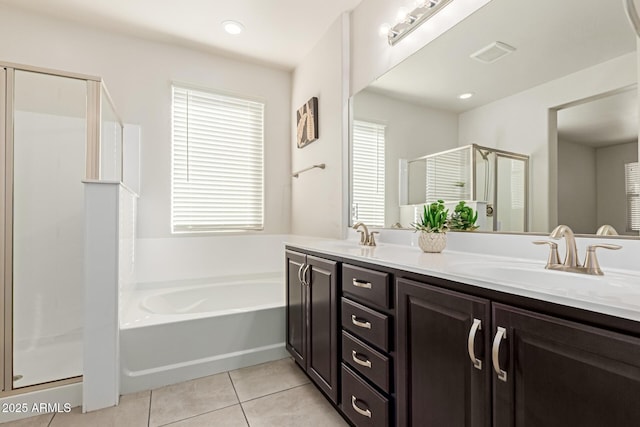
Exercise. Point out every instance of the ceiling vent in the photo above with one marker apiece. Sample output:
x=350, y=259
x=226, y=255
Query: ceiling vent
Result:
x=492, y=52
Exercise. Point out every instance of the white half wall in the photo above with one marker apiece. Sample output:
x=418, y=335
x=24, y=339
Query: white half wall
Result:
x=139, y=74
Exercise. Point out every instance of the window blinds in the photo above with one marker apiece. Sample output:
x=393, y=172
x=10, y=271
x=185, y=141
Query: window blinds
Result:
x=368, y=173
x=632, y=184
x=448, y=175
x=217, y=162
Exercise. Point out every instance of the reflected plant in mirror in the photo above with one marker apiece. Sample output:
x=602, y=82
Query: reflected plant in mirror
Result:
x=463, y=218
x=564, y=97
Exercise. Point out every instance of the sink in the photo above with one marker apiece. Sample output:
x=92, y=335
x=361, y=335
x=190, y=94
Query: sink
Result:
x=536, y=277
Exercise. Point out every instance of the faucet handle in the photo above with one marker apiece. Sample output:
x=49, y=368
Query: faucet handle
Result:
x=372, y=239
x=554, y=258
x=591, y=261
x=363, y=239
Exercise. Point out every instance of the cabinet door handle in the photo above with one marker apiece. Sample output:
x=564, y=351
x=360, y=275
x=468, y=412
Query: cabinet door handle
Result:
x=495, y=353
x=365, y=412
x=304, y=275
x=361, y=283
x=300, y=273
x=477, y=326
x=360, y=324
x=366, y=362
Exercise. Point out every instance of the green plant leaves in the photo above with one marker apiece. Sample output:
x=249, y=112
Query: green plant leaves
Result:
x=435, y=218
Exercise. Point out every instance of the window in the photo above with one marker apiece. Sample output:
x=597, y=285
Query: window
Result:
x=368, y=173
x=632, y=181
x=217, y=162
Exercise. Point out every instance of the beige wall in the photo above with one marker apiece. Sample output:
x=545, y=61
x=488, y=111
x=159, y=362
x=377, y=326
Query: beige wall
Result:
x=611, y=194
x=577, y=187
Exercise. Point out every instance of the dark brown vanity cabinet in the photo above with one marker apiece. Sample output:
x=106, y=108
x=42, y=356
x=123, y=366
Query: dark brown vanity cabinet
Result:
x=558, y=373
x=367, y=342
x=466, y=361
x=443, y=363
x=312, y=318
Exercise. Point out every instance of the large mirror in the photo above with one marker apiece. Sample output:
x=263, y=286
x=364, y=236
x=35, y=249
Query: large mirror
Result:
x=550, y=126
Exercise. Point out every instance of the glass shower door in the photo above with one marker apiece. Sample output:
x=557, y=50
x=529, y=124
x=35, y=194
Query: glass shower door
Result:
x=50, y=119
x=511, y=194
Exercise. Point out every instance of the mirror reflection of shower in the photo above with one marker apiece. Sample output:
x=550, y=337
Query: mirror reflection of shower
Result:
x=491, y=181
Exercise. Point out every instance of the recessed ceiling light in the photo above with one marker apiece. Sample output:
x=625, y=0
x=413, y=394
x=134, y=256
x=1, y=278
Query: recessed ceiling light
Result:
x=232, y=27
x=465, y=95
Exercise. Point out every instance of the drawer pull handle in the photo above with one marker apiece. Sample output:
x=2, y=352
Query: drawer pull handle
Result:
x=366, y=362
x=495, y=353
x=361, y=284
x=365, y=412
x=300, y=274
x=477, y=326
x=358, y=323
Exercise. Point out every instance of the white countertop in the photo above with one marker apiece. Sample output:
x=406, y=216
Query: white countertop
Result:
x=617, y=293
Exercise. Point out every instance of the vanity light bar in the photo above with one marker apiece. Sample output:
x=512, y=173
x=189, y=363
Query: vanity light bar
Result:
x=414, y=18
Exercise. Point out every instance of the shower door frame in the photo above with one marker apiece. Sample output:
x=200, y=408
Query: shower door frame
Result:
x=92, y=172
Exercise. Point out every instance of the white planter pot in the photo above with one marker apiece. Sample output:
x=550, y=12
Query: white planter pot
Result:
x=432, y=242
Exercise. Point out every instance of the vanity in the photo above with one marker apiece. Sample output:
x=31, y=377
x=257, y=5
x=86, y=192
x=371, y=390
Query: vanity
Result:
x=396, y=337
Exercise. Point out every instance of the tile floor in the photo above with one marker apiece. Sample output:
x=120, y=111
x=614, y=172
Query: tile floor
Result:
x=274, y=394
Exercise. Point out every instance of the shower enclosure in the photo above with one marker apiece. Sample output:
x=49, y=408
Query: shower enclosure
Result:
x=491, y=180
x=56, y=130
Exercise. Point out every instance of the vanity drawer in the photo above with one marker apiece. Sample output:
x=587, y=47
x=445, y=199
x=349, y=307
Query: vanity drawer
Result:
x=361, y=403
x=364, y=359
x=366, y=323
x=369, y=285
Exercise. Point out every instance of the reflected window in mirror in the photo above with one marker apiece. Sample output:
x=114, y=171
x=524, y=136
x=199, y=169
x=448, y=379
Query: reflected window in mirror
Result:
x=367, y=173
x=632, y=184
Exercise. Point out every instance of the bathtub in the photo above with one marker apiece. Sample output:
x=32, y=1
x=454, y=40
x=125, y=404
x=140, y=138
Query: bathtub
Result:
x=173, y=332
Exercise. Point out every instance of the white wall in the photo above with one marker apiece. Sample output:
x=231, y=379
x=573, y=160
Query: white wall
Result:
x=611, y=192
x=523, y=123
x=138, y=74
x=577, y=187
x=412, y=131
x=318, y=196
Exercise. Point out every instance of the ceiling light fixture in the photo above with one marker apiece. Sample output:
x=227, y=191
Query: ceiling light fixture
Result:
x=412, y=20
x=465, y=95
x=232, y=27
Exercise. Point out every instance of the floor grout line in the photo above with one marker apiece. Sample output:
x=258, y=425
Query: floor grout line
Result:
x=198, y=415
x=149, y=412
x=275, y=392
x=238, y=397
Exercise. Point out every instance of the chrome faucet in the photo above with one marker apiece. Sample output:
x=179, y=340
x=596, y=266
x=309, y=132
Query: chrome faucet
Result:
x=571, y=262
x=366, y=238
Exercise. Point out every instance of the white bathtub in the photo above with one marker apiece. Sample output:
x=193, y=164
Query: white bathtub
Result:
x=175, y=332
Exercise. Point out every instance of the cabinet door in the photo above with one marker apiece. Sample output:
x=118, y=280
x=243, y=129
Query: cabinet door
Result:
x=296, y=318
x=437, y=383
x=322, y=338
x=560, y=373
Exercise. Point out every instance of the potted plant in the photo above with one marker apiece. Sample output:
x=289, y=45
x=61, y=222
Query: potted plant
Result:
x=463, y=218
x=433, y=227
